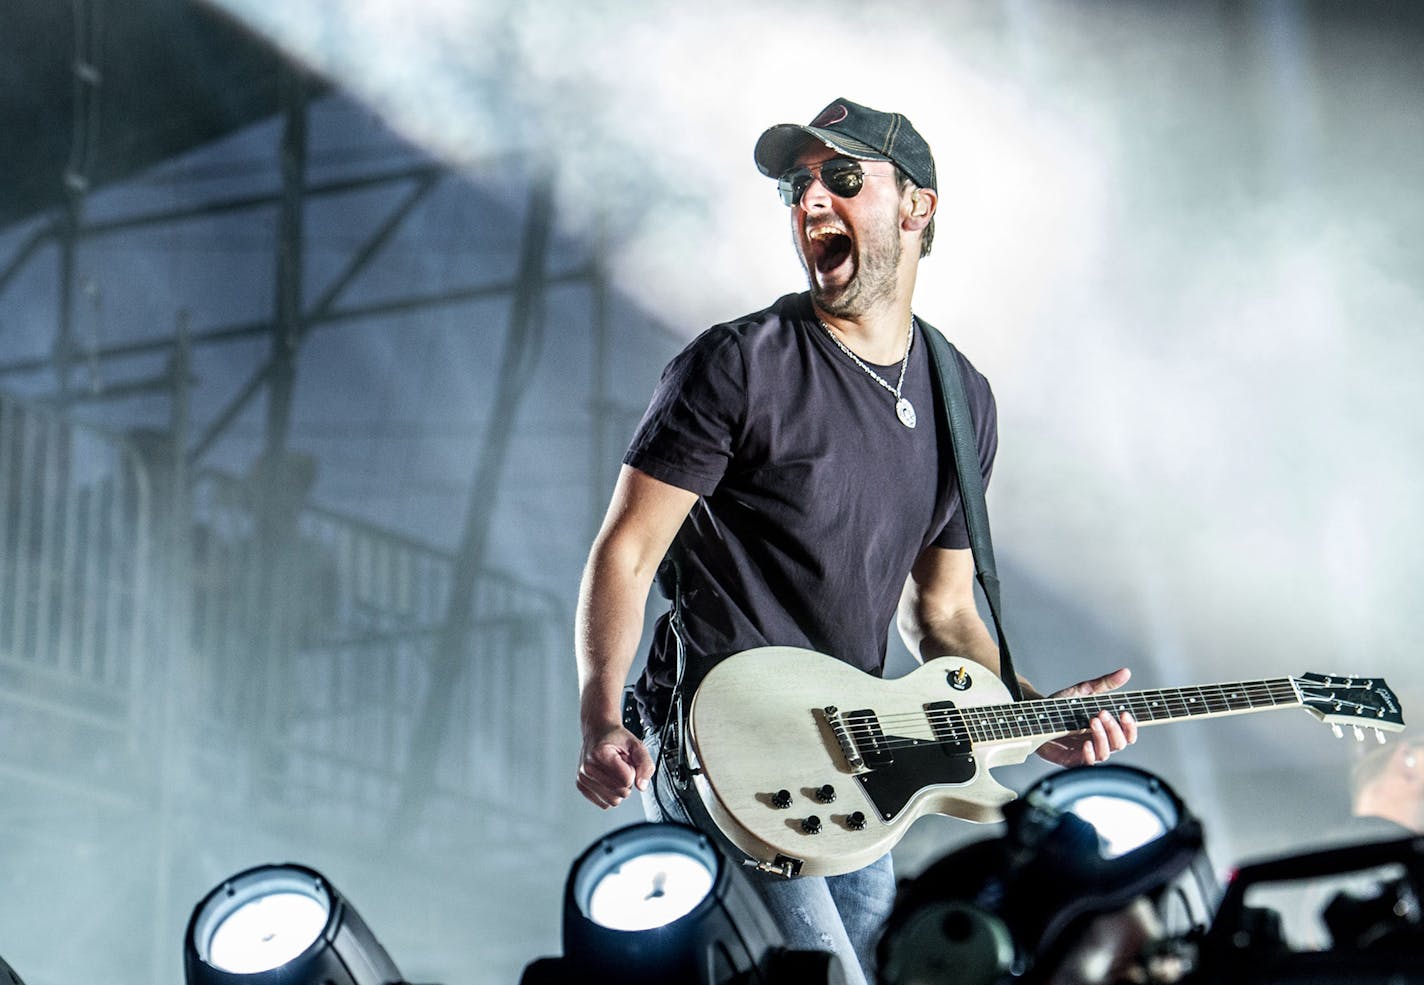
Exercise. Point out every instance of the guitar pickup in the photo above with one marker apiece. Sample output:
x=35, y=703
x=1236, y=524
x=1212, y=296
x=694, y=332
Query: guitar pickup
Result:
x=950, y=734
x=863, y=727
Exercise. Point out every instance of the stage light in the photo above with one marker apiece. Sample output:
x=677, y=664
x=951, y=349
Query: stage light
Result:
x=659, y=904
x=7, y=975
x=282, y=925
x=1080, y=880
x=1363, y=897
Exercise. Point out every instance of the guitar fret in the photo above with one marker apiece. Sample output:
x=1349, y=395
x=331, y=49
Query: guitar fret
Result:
x=1176, y=703
x=1053, y=716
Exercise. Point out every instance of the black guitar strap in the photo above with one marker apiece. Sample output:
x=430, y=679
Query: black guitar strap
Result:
x=945, y=360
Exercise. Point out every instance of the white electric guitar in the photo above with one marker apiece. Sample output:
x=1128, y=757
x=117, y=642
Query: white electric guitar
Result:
x=812, y=767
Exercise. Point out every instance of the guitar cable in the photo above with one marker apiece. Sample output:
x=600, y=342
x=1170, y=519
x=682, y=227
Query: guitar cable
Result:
x=674, y=710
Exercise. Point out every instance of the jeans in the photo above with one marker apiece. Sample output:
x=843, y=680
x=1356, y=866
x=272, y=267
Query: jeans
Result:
x=842, y=914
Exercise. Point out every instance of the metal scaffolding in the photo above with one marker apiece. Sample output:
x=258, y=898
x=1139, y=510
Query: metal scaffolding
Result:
x=228, y=646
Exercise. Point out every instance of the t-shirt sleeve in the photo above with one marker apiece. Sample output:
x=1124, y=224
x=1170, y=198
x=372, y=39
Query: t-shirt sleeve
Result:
x=689, y=431
x=985, y=412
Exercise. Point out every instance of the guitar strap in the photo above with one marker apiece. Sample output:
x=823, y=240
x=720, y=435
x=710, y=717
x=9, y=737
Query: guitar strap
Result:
x=944, y=358
x=672, y=733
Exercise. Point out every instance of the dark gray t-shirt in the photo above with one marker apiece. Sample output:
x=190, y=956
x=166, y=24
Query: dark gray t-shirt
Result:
x=814, y=499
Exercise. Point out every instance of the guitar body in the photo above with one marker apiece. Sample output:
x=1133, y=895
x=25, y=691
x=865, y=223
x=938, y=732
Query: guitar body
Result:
x=775, y=721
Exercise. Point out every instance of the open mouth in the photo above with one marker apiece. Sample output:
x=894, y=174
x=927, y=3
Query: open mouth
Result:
x=829, y=247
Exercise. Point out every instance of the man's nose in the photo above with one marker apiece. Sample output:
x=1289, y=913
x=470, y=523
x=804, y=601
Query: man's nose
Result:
x=816, y=195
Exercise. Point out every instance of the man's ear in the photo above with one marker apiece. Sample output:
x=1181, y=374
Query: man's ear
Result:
x=923, y=202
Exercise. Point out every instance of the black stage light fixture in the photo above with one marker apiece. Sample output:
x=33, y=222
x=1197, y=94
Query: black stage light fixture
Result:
x=282, y=925
x=1367, y=897
x=659, y=904
x=1083, y=844
x=7, y=975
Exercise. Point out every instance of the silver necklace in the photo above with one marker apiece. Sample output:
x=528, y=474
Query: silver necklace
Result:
x=904, y=410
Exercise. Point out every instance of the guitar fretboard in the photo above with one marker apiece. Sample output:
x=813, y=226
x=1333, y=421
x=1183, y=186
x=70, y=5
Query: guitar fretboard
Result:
x=1053, y=716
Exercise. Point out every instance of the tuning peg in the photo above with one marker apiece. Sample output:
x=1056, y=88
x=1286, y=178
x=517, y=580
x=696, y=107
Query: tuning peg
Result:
x=1339, y=732
x=1379, y=734
x=1359, y=735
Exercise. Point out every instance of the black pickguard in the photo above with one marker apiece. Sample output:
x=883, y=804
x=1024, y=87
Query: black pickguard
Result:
x=900, y=767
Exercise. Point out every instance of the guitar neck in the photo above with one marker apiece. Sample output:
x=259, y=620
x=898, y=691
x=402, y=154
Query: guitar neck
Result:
x=1048, y=717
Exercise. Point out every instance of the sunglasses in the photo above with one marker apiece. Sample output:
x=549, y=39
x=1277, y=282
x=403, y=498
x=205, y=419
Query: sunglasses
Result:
x=843, y=176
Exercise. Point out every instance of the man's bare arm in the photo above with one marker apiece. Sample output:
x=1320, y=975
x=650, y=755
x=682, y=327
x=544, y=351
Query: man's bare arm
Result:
x=938, y=617
x=643, y=517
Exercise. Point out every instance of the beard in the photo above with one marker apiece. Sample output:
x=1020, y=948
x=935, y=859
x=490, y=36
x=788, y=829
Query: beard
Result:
x=874, y=281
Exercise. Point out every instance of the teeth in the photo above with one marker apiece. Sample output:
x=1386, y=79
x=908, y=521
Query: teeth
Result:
x=821, y=232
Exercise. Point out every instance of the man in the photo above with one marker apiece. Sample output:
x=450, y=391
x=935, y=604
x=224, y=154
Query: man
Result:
x=1387, y=792
x=794, y=462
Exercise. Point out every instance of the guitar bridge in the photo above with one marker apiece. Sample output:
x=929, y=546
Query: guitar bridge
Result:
x=860, y=738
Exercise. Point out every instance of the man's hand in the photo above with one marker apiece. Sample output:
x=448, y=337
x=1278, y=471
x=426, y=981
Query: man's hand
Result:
x=1106, y=733
x=612, y=762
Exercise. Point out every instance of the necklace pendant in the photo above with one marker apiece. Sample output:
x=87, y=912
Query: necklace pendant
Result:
x=905, y=411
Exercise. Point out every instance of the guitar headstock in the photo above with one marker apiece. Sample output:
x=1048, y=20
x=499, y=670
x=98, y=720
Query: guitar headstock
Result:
x=1364, y=702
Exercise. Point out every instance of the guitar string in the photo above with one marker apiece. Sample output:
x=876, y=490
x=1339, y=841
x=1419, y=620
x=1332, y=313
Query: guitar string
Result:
x=961, y=730
x=1173, y=700
x=988, y=722
x=1184, y=699
x=1065, y=715
x=1070, y=709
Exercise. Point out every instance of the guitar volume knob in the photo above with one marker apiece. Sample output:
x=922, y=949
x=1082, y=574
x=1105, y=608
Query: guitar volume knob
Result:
x=782, y=798
x=856, y=821
x=811, y=825
x=826, y=794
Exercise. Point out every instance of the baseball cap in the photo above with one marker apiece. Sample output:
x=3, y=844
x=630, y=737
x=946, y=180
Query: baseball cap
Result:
x=856, y=131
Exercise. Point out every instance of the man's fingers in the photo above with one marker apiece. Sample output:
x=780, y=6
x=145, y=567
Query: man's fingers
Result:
x=597, y=794
x=1105, y=735
x=642, y=764
x=1100, y=685
x=1115, y=680
x=1099, y=744
x=1095, y=685
x=605, y=784
x=612, y=764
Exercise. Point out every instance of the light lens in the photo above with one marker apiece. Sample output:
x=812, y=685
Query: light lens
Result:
x=645, y=876
x=1121, y=824
x=649, y=891
x=266, y=933
x=261, y=919
x=1127, y=807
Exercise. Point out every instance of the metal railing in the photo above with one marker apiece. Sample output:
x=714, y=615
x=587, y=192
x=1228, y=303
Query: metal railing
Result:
x=76, y=601
x=236, y=663
x=326, y=675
